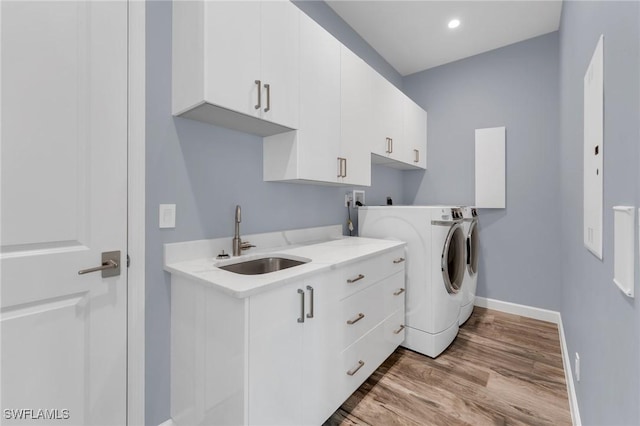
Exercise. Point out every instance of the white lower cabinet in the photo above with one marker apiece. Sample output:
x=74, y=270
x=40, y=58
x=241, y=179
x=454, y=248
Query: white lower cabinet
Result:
x=287, y=356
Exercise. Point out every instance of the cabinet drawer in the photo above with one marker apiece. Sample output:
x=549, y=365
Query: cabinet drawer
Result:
x=358, y=276
x=361, y=312
x=361, y=359
x=394, y=293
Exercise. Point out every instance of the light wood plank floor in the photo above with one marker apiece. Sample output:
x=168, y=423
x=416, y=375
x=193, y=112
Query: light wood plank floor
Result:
x=502, y=369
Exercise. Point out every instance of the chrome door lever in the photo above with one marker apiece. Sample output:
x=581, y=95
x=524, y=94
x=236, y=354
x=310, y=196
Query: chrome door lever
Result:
x=110, y=265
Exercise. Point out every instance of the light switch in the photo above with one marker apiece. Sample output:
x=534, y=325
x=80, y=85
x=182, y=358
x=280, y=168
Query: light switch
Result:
x=167, y=215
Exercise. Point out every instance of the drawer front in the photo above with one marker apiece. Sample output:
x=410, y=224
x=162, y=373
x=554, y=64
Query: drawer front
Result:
x=360, y=275
x=361, y=312
x=357, y=362
x=394, y=293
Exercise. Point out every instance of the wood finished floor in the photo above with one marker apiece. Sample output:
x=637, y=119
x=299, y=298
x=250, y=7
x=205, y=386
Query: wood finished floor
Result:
x=502, y=369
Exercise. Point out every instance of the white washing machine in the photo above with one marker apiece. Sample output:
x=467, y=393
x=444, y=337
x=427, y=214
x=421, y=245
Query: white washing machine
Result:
x=470, y=282
x=435, y=254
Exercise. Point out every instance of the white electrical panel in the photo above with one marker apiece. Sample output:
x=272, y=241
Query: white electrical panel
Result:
x=490, y=168
x=593, y=150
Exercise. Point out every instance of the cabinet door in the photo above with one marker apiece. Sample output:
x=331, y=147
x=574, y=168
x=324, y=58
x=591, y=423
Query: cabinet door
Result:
x=319, y=351
x=319, y=132
x=415, y=134
x=275, y=356
x=280, y=50
x=232, y=52
x=355, y=117
x=388, y=105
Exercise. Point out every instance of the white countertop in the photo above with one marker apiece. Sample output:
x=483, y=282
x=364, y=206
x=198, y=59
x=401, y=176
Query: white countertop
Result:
x=322, y=256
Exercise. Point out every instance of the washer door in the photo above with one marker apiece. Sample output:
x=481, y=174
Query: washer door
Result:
x=453, y=259
x=472, y=249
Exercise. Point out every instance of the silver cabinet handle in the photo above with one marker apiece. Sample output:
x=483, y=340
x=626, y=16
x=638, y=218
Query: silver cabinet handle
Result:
x=417, y=159
x=398, y=330
x=358, y=318
x=310, y=314
x=345, y=167
x=268, y=87
x=355, y=370
x=259, y=84
x=342, y=171
x=391, y=140
x=389, y=148
x=339, y=166
x=399, y=260
x=110, y=266
x=301, y=293
x=399, y=292
x=353, y=280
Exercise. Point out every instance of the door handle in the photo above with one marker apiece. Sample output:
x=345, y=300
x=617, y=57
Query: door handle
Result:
x=417, y=159
x=259, y=84
x=110, y=265
x=310, y=314
x=301, y=293
x=345, y=167
x=268, y=87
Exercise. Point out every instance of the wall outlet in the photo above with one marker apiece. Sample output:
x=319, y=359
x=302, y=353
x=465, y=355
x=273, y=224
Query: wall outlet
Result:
x=348, y=200
x=577, y=366
x=358, y=196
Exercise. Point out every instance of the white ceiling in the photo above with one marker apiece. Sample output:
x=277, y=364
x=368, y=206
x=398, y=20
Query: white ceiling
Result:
x=413, y=35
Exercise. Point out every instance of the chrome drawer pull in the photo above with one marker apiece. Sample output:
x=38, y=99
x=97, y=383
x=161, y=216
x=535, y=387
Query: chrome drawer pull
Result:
x=398, y=330
x=399, y=260
x=355, y=370
x=358, y=318
x=353, y=280
x=399, y=292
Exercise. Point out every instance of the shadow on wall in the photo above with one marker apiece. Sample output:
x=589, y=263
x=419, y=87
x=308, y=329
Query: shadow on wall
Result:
x=488, y=256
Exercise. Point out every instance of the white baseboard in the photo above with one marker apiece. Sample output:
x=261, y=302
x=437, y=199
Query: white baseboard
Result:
x=568, y=376
x=168, y=423
x=542, y=315
x=522, y=310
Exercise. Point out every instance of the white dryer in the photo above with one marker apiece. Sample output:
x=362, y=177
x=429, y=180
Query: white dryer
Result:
x=469, y=285
x=435, y=264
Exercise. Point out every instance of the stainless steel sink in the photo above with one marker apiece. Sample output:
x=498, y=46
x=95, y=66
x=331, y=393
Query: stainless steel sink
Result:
x=262, y=266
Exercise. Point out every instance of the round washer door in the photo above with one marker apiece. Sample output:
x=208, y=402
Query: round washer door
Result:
x=453, y=259
x=472, y=249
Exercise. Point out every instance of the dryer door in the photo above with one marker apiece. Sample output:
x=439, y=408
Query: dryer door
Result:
x=472, y=248
x=453, y=259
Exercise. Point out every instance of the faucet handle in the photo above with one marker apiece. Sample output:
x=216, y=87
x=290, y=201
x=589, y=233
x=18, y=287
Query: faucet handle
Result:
x=246, y=245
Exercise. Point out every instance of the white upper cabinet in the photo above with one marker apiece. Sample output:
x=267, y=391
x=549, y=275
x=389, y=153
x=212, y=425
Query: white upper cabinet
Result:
x=415, y=133
x=387, y=119
x=356, y=132
x=311, y=153
x=400, y=138
x=235, y=64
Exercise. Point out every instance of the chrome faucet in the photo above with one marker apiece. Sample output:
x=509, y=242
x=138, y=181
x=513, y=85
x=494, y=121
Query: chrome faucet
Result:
x=238, y=244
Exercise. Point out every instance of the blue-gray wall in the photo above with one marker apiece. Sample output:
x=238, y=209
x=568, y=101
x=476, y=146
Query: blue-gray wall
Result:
x=517, y=87
x=599, y=321
x=206, y=171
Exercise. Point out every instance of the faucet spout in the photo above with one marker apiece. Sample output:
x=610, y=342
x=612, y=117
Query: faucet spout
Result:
x=238, y=244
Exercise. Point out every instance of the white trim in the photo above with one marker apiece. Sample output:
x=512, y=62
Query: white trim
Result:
x=136, y=215
x=516, y=309
x=542, y=315
x=568, y=376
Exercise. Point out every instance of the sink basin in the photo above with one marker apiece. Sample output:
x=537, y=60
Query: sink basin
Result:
x=262, y=266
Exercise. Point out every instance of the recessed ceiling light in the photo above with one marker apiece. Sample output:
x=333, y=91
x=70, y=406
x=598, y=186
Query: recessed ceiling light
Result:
x=454, y=23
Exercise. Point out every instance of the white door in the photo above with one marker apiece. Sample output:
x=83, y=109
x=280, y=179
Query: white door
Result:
x=63, y=192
